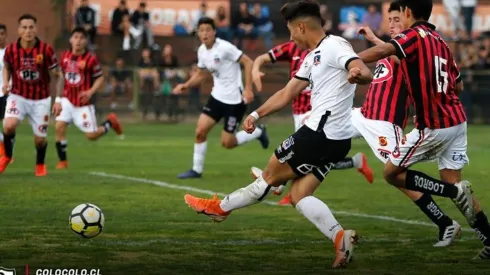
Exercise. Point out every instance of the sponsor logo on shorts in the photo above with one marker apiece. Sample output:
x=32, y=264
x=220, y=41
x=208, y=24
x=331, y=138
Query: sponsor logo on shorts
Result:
x=428, y=185
x=459, y=157
x=404, y=140
x=86, y=124
x=287, y=157
x=43, y=128
x=396, y=152
x=288, y=143
x=384, y=153
x=84, y=116
x=46, y=118
x=13, y=111
x=383, y=141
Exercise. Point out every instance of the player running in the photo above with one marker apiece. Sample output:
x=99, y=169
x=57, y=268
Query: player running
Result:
x=83, y=78
x=307, y=156
x=291, y=53
x=433, y=82
x=228, y=98
x=29, y=62
x=3, y=97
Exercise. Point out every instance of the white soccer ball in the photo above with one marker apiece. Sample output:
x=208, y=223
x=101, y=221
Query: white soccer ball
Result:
x=87, y=220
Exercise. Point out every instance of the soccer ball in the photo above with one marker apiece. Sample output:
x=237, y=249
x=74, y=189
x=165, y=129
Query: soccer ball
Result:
x=87, y=220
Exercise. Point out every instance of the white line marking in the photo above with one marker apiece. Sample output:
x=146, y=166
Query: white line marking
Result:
x=210, y=192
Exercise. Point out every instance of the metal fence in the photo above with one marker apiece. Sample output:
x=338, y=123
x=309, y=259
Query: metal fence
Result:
x=146, y=94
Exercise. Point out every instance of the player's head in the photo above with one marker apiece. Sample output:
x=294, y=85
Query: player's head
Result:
x=206, y=30
x=27, y=27
x=84, y=3
x=395, y=21
x=78, y=39
x=303, y=19
x=3, y=35
x=415, y=10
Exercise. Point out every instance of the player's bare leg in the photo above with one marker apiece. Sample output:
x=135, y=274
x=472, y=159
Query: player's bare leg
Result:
x=41, y=147
x=9, y=127
x=460, y=192
x=318, y=213
x=480, y=225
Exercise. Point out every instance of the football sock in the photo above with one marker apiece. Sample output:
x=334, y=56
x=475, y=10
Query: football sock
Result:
x=318, y=213
x=1, y=137
x=418, y=181
x=41, y=153
x=243, y=197
x=244, y=137
x=199, y=156
x=346, y=163
x=107, y=125
x=61, y=147
x=430, y=208
x=8, y=144
x=482, y=228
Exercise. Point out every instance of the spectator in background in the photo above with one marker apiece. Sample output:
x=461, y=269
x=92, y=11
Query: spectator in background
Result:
x=468, y=10
x=149, y=80
x=453, y=9
x=327, y=18
x=263, y=25
x=373, y=20
x=121, y=82
x=121, y=25
x=85, y=18
x=244, y=25
x=171, y=76
x=222, y=22
x=141, y=21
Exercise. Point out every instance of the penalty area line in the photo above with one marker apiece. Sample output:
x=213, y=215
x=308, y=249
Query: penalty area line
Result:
x=210, y=192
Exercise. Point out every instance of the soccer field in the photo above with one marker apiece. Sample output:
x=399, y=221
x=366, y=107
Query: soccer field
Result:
x=150, y=230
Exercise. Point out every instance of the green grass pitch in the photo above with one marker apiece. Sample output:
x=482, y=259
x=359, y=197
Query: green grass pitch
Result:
x=150, y=230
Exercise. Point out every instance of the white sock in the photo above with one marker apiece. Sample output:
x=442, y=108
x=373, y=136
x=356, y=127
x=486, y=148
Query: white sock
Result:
x=244, y=137
x=126, y=43
x=252, y=194
x=1, y=137
x=199, y=156
x=318, y=213
x=357, y=160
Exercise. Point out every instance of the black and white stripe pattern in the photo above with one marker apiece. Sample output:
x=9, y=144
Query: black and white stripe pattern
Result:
x=484, y=253
x=464, y=202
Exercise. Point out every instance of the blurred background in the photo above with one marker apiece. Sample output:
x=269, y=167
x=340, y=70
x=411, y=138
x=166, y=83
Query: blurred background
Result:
x=147, y=47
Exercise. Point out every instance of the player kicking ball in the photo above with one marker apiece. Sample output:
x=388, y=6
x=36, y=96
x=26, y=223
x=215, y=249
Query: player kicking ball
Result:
x=331, y=68
x=29, y=63
x=228, y=98
x=434, y=83
x=83, y=78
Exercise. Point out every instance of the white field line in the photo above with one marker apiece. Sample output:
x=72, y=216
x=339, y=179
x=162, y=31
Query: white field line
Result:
x=210, y=192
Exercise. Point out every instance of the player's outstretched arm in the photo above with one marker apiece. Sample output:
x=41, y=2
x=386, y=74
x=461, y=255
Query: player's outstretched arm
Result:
x=247, y=63
x=256, y=73
x=283, y=97
x=195, y=80
x=377, y=52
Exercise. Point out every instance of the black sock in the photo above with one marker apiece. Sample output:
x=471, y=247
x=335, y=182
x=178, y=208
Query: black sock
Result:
x=482, y=228
x=8, y=144
x=430, y=208
x=61, y=149
x=107, y=125
x=346, y=163
x=418, y=181
x=41, y=153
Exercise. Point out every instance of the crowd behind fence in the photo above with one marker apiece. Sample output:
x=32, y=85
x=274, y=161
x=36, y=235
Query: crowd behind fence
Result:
x=146, y=93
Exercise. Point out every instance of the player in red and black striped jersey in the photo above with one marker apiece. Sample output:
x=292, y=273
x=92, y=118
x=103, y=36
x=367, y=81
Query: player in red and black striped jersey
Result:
x=83, y=77
x=433, y=84
x=290, y=52
x=29, y=63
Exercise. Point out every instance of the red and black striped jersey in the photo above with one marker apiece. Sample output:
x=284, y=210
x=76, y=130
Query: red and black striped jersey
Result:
x=291, y=53
x=30, y=69
x=80, y=72
x=387, y=96
x=431, y=75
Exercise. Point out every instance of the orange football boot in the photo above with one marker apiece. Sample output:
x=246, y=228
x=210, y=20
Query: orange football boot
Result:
x=285, y=201
x=2, y=149
x=365, y=169
x=116, y=126
x=208, y=207
x=62, y=164
x=41, y=170
x=344, y=247
x=4, y=162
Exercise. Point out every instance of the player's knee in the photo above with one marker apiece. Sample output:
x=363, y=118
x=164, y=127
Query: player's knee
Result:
x=39, y=141
x=60, y=128
x=92, y=136
x=9, y=126
x=389, y=175
x=228, y=143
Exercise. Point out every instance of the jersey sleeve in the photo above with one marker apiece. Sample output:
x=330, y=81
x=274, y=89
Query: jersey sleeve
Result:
x=95, y=67
x=51, y=57
x=281, y=52
x=7, y=58
x=200, y=63
x=341, y=54
x=232, y=53
x=304, y=71
x=405, y=43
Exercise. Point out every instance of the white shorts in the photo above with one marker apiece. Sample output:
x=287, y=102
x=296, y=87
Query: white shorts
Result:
x=37, y=111
x=447, y=146
x=299, y=120
x=83, y=117
x=381, y=136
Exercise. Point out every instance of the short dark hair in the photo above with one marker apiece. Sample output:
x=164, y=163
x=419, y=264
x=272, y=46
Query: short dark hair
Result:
x=394, y=6
x=421, y=9
x=301, y=8
x=3, y=27
x=142, y=5
x=27, y=16
x=80, y=30
x=207, y=21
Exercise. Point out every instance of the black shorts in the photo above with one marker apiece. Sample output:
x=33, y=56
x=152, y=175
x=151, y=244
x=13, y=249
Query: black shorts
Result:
x=3, y=104
x=308, y=151
x=233, y=113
